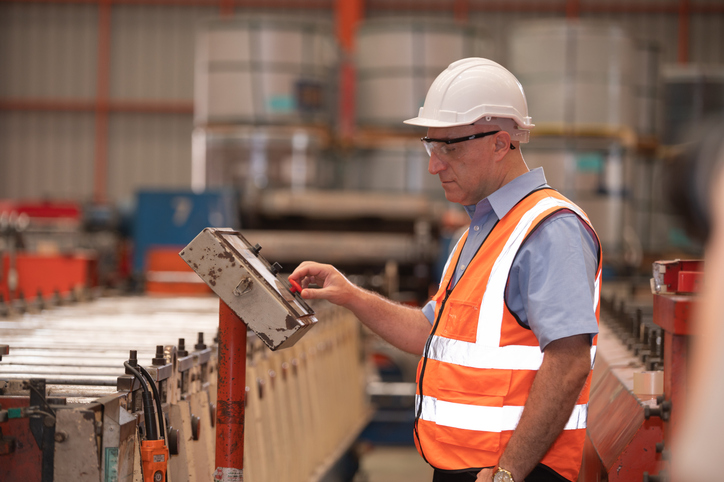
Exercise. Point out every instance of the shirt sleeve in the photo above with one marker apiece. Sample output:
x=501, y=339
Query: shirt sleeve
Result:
x=429, y=311
x=551, y=287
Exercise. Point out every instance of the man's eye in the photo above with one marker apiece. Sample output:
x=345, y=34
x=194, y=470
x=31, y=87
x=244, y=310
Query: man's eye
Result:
x=447, y=149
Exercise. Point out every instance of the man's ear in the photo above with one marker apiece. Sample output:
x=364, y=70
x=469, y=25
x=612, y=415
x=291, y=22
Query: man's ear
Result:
x=502, y=143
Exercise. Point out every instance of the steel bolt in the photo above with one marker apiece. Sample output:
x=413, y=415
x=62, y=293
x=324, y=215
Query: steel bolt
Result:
x=182, y=347
x=160, y=358
x=195, y=427
x=200, y=343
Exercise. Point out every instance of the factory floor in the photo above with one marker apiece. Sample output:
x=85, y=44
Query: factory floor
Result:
x=393, y=464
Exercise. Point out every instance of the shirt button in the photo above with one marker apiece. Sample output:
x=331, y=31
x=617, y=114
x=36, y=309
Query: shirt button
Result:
x=462, y=267
x=477, y=228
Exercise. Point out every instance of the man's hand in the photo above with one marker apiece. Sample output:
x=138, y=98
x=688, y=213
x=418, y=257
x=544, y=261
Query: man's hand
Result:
x=485, y=475
x=562, y=375
x=334, y=287
x=404, y=327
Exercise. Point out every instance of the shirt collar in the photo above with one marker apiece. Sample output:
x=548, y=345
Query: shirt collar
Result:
x=503, y=200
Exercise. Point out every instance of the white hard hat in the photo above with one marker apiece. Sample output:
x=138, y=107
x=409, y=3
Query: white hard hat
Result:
x=472, y=90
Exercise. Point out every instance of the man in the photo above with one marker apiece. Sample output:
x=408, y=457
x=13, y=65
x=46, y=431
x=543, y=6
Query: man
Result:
x=506, y=342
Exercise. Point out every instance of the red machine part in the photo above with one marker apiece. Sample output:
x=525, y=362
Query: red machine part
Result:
x=46, y=210
x=46, y=274
x=25, y=462
x=673, y=313
x=624, y=450
x=296, y=287
x=231, y=394
x=678, y=276
x=168, y=274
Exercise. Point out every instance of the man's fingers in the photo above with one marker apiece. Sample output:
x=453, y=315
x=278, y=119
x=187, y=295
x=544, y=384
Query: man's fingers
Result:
x=309, y=269
x=309, y=294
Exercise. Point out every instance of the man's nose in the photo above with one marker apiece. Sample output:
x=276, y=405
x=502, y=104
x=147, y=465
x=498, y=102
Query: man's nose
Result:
x=435, y=165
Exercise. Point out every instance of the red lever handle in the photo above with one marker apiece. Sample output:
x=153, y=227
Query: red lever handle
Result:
x=296, y=287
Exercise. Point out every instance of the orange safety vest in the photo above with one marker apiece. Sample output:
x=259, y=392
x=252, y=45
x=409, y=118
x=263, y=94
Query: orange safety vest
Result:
x=479, y=362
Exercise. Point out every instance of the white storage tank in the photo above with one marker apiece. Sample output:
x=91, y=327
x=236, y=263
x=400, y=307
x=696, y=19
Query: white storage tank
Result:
x=394, y=165
x=264, y=70
x=398, y=59
x=647, y=72
x=596, y=174
x=253, y=158
x=576, y=74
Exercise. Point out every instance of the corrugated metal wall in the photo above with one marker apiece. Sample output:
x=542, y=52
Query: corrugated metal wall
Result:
x=148, y=151
x=46, y=155
x=49, y=54
x=152, y=51
x=48, y=50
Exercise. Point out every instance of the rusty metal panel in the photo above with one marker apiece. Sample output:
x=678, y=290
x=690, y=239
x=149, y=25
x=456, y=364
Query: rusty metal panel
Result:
x=76, y=446
x=248, y=284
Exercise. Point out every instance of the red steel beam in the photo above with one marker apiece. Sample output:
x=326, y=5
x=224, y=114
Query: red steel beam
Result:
x=226, y=8
x=683, y=47
x=573, y=8
x=128, y=106
x=285, y=4
x=630, y=8
x=231, y=394
x=348, y=14
x=533, y=6
x=499, y=6
x=461, y=10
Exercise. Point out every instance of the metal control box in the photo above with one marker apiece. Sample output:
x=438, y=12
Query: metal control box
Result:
x=249, y=285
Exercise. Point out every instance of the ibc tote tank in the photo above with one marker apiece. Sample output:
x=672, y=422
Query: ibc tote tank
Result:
x=577, y=74
x=580, y=85
x=263, y=69
x=397, y=60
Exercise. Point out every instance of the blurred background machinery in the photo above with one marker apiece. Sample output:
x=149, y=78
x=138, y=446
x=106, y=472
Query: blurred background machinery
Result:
x=126, y=127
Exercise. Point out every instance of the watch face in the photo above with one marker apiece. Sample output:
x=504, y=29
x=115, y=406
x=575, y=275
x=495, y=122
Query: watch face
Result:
x=501, y=476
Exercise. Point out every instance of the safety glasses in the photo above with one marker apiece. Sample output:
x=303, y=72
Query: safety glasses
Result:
x=444, y=148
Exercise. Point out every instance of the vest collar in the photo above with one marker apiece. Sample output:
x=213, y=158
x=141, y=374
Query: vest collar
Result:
x=503, y=200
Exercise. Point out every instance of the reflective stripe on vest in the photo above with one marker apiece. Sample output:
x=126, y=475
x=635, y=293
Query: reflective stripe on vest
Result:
x=486, y=419
x=473, y=355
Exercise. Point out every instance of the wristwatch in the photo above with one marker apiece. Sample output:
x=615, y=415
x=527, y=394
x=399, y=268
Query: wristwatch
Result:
x=502, y=475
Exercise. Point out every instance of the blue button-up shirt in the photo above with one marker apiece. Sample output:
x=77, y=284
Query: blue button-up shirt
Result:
x=552, y=281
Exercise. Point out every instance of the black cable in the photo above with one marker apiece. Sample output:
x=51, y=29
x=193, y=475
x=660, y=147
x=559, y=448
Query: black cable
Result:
x=42, y=397
x=159, y=409
x=148, y=410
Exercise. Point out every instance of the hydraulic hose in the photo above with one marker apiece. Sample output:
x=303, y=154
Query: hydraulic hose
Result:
x=159, y=409
x=148, y=411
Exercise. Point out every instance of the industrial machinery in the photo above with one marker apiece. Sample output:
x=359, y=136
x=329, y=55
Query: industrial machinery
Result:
x=639, y=381
x=73, y=404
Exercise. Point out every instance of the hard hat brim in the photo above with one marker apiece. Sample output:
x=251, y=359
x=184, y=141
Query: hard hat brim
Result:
x=425, y=122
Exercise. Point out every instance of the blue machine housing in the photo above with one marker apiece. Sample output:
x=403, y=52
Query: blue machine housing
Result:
x=174, y=218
